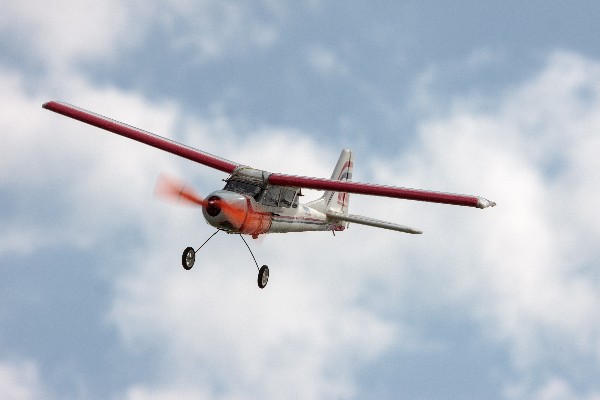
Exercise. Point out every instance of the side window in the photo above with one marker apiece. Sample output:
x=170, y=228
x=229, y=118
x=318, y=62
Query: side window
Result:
x=287, y=197
x=271, y=197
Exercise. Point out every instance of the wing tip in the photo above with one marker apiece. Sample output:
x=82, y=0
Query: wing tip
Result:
x=485, y=203
x=51, y=105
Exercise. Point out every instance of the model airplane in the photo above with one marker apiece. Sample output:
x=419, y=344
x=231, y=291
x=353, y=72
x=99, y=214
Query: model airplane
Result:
x=255, y=202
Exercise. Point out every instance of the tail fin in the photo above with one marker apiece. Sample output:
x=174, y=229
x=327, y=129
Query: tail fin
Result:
x=337, y=201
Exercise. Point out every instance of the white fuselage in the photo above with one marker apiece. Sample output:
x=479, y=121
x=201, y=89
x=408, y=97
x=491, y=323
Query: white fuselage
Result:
x=248, y=216
x=248, y=205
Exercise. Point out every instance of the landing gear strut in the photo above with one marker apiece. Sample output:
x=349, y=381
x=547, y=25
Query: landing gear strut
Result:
x=189, y=254
x=263, y=272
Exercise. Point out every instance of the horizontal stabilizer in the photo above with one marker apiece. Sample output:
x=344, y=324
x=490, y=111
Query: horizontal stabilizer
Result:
x=359, y=219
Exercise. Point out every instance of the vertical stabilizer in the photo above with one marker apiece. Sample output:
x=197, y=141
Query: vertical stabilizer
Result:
x=337, y=201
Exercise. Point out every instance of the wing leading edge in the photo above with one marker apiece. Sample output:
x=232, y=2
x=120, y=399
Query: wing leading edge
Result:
x=140, y=135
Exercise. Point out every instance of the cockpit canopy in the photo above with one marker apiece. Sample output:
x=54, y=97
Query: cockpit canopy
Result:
x=273, y=196
x=280, y=196
x=245, y=188
x=253, y=183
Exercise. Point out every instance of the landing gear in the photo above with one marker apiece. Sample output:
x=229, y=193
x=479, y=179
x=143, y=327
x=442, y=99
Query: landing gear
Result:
x=263, y=276
x=189, y=254
x=188, y=258
x=263, y=272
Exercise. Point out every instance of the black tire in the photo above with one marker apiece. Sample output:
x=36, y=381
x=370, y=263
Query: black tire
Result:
x=263, y=276
x=188, y=258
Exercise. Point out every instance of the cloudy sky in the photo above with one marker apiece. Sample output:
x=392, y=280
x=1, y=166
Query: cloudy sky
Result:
x=500, y=100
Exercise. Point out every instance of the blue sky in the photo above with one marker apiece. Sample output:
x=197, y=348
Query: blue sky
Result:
x=500, y=100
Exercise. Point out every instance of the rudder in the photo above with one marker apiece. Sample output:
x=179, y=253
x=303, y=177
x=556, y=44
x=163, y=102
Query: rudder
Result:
x=337, y=201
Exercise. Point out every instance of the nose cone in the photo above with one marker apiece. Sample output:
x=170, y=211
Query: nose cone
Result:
x=213, y=208
x=225, y=210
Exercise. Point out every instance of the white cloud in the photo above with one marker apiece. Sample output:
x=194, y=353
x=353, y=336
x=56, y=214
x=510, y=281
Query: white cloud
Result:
x=213, y=28
x=326, y=62
x=142, y=393
x=482, y=57
x=527, y=268
x=64, y=33
x=20, y=381
x=553, y=388
x=71, y=164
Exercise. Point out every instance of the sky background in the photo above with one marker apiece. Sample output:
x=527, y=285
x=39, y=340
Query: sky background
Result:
x=495, y=99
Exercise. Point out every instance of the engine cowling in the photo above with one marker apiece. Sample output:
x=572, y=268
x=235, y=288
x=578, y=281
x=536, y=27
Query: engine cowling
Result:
x=235, y=213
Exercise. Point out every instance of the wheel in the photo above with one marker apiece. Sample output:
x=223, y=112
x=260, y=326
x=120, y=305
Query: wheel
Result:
x=188, y=258
x=263, y=276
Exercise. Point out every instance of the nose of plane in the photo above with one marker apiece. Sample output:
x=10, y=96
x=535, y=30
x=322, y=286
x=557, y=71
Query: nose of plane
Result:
x=213, y=207
x=225, y=210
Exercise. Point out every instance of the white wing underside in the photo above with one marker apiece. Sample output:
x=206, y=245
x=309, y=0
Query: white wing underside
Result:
x=359, y=219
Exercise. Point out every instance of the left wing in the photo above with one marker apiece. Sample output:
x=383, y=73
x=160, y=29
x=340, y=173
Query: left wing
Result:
x=148, y=138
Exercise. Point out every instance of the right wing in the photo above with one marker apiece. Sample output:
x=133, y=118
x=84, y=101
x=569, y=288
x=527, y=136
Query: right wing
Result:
x=141, y=136
x=359, y=219
x=379, y=190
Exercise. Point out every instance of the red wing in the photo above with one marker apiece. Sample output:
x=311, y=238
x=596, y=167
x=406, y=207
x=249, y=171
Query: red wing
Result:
x=379, y=190
x=141, y=136
x=276, y=179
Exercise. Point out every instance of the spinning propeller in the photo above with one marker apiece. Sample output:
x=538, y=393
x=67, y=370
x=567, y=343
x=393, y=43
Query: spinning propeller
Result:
x=172, y=189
